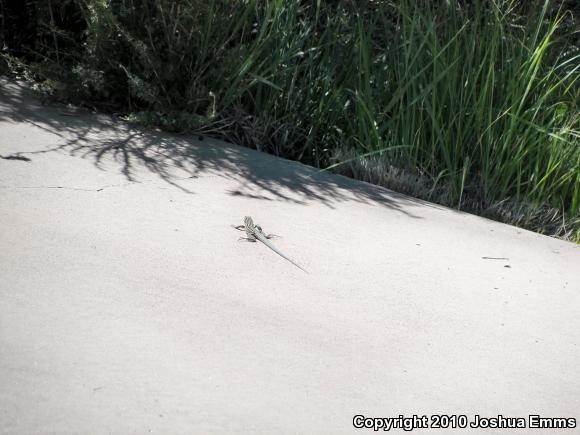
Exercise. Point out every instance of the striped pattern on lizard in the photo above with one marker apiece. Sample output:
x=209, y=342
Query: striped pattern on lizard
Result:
x=254, y=232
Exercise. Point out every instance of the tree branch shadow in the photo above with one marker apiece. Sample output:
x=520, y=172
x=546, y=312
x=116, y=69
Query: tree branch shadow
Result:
x=99, y=137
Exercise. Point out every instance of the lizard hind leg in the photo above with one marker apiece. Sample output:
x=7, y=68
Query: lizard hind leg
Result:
x=259, y=229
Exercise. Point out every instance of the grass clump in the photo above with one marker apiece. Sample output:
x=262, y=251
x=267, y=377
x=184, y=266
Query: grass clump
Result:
x=475, y=99
x=472, y=104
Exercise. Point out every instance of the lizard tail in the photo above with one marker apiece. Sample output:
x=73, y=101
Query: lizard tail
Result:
x=269, y=245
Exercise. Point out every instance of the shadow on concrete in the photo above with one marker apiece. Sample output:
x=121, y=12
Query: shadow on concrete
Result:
x=97, y=136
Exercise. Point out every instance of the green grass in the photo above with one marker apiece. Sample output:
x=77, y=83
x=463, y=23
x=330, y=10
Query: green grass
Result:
x=479, y=103
x=472, y=106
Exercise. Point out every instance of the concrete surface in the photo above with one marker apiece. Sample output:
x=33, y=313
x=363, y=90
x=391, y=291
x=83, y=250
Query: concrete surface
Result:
x=128, y=306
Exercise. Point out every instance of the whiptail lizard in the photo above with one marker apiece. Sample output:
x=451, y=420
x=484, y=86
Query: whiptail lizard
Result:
x=255, y=232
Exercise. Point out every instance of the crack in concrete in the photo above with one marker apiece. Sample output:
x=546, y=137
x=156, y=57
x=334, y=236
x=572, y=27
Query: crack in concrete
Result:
x=68, y=188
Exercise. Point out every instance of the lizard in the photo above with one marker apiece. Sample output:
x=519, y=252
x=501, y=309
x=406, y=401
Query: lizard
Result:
x=255, y=232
